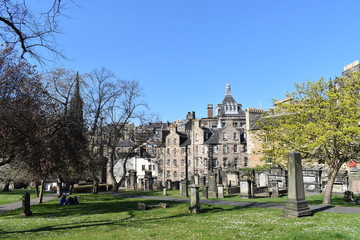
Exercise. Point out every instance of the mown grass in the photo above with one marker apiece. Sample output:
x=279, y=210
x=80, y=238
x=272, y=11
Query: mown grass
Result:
x=313, y=199
x=109, y=217
x=15, y=195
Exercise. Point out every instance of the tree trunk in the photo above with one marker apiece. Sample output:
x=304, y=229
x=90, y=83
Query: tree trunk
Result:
x=71, y=190
x=6, y=185
x=41, y=194
x=59, y=191
x=95, y=185
x=37, y=189
x=329, y=186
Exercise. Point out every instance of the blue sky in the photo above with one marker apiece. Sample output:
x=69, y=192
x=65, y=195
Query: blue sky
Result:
x=183, y=52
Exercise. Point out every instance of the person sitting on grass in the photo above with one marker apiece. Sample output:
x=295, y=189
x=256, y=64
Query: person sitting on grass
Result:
x=63, y=200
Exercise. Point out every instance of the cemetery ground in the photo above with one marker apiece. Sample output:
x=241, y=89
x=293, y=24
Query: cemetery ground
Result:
x=105, y=216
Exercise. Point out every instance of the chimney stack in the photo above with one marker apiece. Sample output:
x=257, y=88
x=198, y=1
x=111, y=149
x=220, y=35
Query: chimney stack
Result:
x=210, y=110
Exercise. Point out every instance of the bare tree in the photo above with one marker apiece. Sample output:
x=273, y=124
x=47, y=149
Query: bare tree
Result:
x=29, y=30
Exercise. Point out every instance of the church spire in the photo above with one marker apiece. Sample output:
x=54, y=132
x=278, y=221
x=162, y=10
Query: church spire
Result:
x=76, y=104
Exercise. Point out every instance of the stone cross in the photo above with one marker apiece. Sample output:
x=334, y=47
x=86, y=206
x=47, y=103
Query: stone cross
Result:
x=26, y=205
x=296, y=206
x=194, y=200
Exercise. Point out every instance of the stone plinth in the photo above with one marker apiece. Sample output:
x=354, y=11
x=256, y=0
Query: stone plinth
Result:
x=296, y=206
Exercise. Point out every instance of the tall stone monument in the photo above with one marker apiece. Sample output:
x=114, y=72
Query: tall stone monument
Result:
x=212, y=190
x=194, y=200
x=296, y=206
x=26, y=205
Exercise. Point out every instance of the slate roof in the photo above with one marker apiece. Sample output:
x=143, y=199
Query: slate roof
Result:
x=214, y=139
x=126, y=143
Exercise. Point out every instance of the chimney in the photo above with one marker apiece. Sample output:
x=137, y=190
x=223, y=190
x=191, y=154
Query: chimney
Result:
x=210, y=110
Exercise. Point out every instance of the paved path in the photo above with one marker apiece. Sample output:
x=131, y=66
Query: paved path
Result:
x=33, y=201
x=314, y=208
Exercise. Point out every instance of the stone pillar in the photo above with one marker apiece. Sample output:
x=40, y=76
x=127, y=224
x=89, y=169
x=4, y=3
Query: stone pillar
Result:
x=220, y=191
x=218, y=176
x=164, y=191
x=194, y=200
x=296, y=206
x=244, y=188
x=205, y=192
x=26, y=205
x=274, y=189
x=212, y=185
x=133, y=179
x=184, y=188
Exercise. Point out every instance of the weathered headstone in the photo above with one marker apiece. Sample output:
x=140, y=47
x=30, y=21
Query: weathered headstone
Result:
x=220, y=191
x=296, y=206
x=148, y=181
x=184, y=188
x=202, y=181
x=194, y=200
x=164, y=191
x=205, y=192
x=133, y=180
x=26, y=205
x=245, y=188
x=274, y=189
x=168, y=184
x=212, y=193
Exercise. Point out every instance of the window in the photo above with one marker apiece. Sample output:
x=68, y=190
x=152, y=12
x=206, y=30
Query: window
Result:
x=196, y=137
x=174, y=151
x=225, y=162
x=197, y=162
x=143, y=167
x=161, y=162
x=175, y=174
x=246, y=163
x=225, y=149
x=182, y=175
x=174, y=163
x=168, y=174
x=236, y=162
x=223, y=124
x=214, y=149
x=189, y=163
x=168, y=151
x=182, y=151
x=150, y=167
x=168, y=163
x=196, y=149
x=174, y=141
x=235, y=124
x=235, y=137
x=235, y=148
x=182, y=162
x=215, y=163
x=224, y=136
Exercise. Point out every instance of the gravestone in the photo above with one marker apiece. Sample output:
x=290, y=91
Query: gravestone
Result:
x=205, y=192
x=197, y=179
x=202, y=181
x=275, y=189
x=184, y=188
x=26, y=205
x=164, y=191
x=220, y=191
x=218, y=176
x=148, y=181
x=194, y=199
x=168, y=184
x=133, y=180
x=296, y=206
x=212, y=191
x=245, y=188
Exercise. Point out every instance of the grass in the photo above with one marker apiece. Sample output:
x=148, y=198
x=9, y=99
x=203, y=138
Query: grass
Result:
x=108, y=217
x=313, y=199
x=15, y=195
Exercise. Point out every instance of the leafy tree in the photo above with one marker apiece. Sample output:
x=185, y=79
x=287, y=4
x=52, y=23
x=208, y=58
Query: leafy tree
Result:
x=321, y=121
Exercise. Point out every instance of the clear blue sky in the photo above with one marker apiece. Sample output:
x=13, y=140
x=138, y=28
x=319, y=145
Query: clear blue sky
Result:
x=183, y=52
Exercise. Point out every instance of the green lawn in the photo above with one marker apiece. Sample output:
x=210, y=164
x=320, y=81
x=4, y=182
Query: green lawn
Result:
x=15, y=195
x=336, y=200
x=109, y=217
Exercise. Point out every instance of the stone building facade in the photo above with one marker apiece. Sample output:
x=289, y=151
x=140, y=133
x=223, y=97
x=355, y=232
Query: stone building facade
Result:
x=199, y=145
